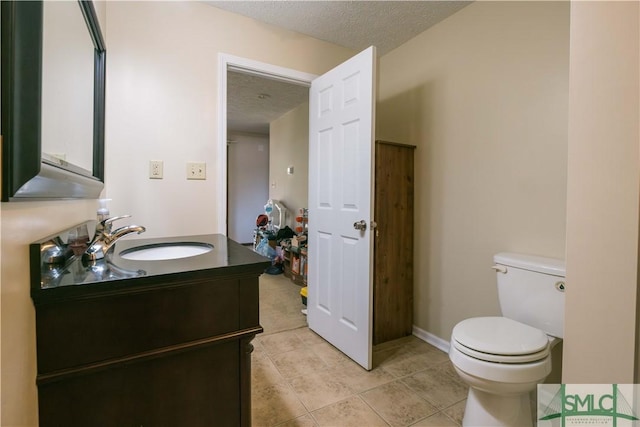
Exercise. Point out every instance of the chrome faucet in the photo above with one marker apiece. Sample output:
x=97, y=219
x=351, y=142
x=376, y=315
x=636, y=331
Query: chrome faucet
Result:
x=104, y=238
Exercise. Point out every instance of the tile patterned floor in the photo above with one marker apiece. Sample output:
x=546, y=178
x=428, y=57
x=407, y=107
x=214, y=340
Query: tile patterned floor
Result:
x=298, y=379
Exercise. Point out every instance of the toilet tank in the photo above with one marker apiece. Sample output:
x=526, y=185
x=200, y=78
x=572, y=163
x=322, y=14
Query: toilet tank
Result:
x=531, y=290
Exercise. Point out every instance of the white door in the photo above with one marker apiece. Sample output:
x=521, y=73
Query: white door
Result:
x=341, y=144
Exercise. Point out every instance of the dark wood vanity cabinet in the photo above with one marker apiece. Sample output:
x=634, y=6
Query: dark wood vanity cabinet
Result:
x=168, y=350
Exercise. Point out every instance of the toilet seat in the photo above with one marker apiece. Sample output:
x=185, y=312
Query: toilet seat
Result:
x=500, y=340
x=496, y=358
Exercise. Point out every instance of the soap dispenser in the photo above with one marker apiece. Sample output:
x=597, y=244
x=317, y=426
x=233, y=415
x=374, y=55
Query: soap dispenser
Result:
x=102, y=213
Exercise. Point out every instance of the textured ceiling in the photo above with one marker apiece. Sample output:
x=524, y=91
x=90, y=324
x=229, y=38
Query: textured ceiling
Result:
x=248, y=110
x=353, y=24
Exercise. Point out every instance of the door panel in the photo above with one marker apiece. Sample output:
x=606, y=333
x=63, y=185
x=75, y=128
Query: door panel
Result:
x=341, y=120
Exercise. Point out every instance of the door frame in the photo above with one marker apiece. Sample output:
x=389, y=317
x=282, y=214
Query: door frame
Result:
x=228, y=63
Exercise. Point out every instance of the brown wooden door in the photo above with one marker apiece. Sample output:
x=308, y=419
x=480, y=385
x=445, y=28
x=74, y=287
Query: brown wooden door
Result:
x=393, y=247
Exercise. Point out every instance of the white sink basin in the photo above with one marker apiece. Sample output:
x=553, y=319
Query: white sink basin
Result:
x=164, y=251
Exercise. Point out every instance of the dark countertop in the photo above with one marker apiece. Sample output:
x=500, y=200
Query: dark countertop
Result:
x=114, y=274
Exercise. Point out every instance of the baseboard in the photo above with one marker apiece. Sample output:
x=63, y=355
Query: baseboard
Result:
x=435, y=341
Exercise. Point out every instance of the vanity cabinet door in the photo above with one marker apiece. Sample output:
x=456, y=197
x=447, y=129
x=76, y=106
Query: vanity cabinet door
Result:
x=114, y=326
x=195, y=388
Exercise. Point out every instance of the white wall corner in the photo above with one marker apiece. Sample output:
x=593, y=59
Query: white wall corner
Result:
x=435, y=341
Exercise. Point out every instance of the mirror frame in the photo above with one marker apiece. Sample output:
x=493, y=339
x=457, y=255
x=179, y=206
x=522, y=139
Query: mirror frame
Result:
x=26, y=175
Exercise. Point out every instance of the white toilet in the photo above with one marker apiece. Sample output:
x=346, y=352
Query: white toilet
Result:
x=502, y=359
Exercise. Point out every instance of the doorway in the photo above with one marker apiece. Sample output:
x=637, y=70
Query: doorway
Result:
x=341, y=118
x=260, y=71
x=260, y=110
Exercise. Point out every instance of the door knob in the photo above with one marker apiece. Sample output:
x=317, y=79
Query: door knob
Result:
x=360, y=225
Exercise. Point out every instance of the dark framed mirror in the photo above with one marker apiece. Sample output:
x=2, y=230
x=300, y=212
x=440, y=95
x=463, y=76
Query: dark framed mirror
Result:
x=28, y=172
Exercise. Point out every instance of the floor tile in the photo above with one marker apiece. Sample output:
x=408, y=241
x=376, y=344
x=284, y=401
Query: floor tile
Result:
x=276, y=323
x=329, y=354
x=308, y=336
x=280, y=304
x=447, y=368
x=319, y=389
x=281, y=342
x=264, y=373
x=456, y=412
x=383, y=353
x=400, y=342
x=351, y=412
x=403, y=361
x=303, y=421
x=436, y=420
x=274, y=405
x=359, y=379
x=437, y=386
x=410, y=342
x=297, y=363
x=397, y=404
x=258, y=350
x=418, y=346
x=391, y=356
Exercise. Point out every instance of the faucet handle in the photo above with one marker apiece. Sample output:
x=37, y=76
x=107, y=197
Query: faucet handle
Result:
x=105, y=224
x=114, y=218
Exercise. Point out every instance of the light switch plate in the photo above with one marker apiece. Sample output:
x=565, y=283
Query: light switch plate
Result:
x=196, y=170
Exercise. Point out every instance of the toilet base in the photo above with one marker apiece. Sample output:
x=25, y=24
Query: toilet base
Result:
x=491, y=410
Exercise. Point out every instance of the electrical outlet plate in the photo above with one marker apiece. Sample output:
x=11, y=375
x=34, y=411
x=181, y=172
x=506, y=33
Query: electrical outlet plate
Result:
x=155, y=169
x=196, y=170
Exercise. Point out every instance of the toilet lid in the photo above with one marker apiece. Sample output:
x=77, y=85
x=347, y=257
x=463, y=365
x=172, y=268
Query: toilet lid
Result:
x=500, y=336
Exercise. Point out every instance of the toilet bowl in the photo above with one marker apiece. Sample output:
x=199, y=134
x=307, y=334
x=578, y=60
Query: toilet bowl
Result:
x=502, y=359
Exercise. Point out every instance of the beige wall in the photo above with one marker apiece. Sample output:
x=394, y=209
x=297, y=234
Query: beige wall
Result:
x=289, y=142
x=484, y=96
x=247, y=183
x=23, y=223
x=602, y=199
x=162, y=77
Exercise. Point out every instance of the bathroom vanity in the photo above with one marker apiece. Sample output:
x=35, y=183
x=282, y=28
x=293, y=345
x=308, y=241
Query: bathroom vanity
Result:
x=145, y=343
